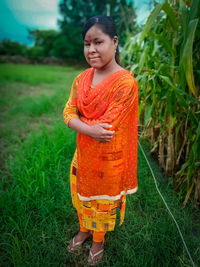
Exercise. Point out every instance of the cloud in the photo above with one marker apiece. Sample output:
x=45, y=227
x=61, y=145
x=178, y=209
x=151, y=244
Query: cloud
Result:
x=142, y=14
x=37, y=19
x=33, y=5
x=143, y=9
x=35, y=13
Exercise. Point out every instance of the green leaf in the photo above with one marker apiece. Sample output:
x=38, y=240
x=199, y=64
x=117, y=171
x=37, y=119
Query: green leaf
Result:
x=141, y=106
x=186, y=60
x=166, y=42
x=142, y=60
x=134, y=66
x=193, y=118
x=171, y=15
x=167, y=80
x=156, y=48
x=177, y=129
x=189, y=97
x=183, y=12
x=171, y=103
x=181, y=100
x=150, y=22
x=147, y=114
x=194, y=9
x=198, y=132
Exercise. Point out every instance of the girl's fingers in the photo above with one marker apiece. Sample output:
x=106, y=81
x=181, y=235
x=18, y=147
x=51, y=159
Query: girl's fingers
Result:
x=104, y=136
x=105, y=125
x=106, y=139
x=109, y=132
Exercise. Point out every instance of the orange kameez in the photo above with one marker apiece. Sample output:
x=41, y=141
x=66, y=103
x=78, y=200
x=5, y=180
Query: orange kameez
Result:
x=100, y=174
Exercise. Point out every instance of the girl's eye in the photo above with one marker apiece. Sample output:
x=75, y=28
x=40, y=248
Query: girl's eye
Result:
x=87, y=44
x=98, y=43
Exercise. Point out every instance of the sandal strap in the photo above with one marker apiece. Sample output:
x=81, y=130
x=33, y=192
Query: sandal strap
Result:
x=95, y=254
x=75, y=244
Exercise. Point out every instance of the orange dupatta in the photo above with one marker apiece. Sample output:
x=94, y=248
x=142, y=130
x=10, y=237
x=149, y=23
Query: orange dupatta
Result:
x=108, y=170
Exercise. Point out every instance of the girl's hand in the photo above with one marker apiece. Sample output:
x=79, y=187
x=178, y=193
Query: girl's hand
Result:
x=98, y=133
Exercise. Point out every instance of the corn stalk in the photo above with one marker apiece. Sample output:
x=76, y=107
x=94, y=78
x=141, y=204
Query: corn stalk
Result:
x=161, y=57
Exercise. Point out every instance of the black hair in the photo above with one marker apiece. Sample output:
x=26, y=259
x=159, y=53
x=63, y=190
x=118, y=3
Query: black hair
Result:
x=107, y=25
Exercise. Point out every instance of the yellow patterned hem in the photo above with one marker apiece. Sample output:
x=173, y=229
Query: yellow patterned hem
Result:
x=98, y=215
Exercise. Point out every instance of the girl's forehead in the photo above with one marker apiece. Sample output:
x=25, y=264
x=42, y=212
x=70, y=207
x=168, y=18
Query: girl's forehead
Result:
x=94, y=32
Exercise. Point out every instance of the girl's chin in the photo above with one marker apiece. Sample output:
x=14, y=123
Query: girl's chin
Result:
x=96, y=65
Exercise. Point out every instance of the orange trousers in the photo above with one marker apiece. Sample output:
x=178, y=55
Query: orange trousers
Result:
x=97, y=236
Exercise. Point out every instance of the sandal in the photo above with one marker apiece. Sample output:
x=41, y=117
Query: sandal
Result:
x=73, y=246
x=93, y=255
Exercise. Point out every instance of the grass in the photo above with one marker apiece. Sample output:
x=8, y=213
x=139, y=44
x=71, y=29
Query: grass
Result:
x=37, y=215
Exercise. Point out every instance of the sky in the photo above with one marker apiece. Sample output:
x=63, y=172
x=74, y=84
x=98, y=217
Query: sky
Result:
x=16, y=16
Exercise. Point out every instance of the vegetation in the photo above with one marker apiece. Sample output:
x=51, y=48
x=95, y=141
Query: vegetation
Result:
x=11, y=48
x=44, y=39
x=165, y=59
x=37, y=217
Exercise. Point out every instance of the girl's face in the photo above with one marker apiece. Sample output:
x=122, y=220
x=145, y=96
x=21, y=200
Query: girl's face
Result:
x=99, y=48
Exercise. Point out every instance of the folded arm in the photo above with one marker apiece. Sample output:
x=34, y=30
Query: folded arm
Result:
x=71, y=118
x=121, y=103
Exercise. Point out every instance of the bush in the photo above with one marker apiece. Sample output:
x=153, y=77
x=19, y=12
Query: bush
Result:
x=35, y=52
x=11, y=48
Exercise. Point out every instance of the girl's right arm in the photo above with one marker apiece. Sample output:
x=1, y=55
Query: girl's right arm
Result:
x=71, y=118
x=96, y=131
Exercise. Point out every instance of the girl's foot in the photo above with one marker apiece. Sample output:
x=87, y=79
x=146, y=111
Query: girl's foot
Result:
x=78, y=241
x=96, y=252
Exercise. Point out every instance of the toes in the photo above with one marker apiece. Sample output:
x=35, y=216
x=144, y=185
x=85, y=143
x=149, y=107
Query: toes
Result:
x=96, y=259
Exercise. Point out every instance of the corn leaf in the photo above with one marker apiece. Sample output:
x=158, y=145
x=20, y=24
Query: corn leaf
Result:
x=195, y=7
x=142, y=60
x=188, y=194
x=193, y=118
x=198, y=132
x=186, y=60
x=187, y=96
x=183, y=12
x=147, y=115
x=166, y=43
x=141, y=106
x=150, y=22
x=182, y=101
x=167, y=80
x=171, y=103
x=171, y=15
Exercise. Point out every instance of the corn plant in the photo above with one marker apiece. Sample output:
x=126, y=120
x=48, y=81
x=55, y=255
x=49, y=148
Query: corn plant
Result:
x=164, y=57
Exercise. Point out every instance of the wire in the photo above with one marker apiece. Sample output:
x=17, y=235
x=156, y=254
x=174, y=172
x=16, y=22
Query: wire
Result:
x=186, y=248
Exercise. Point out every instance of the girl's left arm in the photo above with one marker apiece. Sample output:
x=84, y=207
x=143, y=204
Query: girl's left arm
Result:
x=70, y=111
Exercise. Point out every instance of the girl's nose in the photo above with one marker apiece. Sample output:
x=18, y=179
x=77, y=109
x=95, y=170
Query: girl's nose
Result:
x=92, y=48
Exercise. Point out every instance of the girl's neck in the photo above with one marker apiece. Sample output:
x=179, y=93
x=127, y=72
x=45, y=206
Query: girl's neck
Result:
x=108, y=69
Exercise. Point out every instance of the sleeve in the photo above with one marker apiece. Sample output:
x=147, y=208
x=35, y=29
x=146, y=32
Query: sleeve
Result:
x=70, y=111
x=123, y=100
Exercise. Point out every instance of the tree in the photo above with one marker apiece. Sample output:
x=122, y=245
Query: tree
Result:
x=44, y=39
x=35, y=52
x=11, y=48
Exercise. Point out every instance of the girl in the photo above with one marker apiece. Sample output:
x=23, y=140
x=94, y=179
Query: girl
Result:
x=103, y=109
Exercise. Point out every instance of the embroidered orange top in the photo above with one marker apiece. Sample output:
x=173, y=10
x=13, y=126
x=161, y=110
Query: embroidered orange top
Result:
x=106, y=170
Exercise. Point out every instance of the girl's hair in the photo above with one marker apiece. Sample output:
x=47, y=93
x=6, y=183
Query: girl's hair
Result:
x=107, y=25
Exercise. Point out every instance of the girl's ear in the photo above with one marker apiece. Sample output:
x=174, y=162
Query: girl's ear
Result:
x=115, y=40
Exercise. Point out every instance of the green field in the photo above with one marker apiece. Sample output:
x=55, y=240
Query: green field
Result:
x=38, y=219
